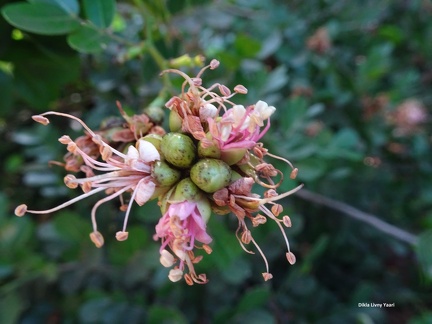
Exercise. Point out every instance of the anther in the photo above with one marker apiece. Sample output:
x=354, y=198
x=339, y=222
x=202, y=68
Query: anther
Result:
x=166, y=259
x=240, y=89
x=70, y=181
x=277, y=209
x=40, y=119
x=291, y=257
x=207, y=248
x=65, y=139
x=287, y=221
x=122, y=236
x=224, y=90
x=214, y=64
x=21, y=210
x=293, y=174
x=188, y=279
x=97, y=239
x=175, y=275
x=267, y=276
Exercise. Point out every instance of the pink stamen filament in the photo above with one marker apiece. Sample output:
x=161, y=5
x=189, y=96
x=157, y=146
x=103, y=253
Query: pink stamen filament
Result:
x=130, y=205
x=262, y=254
x=103, y=200
x=85, y=127
x=67, y=203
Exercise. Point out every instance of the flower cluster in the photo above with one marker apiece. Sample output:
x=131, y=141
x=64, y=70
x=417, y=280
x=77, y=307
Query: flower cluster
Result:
x=208, y=162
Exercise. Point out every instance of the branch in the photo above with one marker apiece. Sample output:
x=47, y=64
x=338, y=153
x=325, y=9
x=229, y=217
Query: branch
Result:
x=359, y=215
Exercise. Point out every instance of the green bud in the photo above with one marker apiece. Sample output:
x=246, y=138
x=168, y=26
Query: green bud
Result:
x=174, y=121
x=212, y=151
x=186, y=190
x=164, y=174
x=204, y=207
x=235, y=176
x=232, y=156
x=164, y=200
x=211, y=175
x=178, y=149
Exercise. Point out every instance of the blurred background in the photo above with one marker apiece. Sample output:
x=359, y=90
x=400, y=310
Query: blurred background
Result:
x=351, y=81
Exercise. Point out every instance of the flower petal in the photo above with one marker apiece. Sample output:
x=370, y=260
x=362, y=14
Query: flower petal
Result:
x=143, y=191
x=147, y=151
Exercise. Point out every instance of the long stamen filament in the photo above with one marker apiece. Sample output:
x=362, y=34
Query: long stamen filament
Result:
x=67, y=203
x=103, y=200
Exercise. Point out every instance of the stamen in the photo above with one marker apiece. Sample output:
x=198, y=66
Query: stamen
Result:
x=207, y=248
x=214, y=64
x=258, y=220
x=65, y=139
x=287, y=221
x=166, y=259
x=267, y=276
x=122, y=236
x=103, y=200
x=291, y=257
x=240, y=241
x=97, y=239
x=40, y=119
x=240, y=89
x=67, y=203
x=21, y=210
x=277, y=209
x=70, y=181
x=188, y=279
x=224, y=90
x=293, y=174
x=268, y=213
x=175, y=275
x=246, y=236
x=262, y=255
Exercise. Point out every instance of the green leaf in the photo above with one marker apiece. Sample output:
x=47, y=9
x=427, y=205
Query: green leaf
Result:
x=40, y=18
x=11, y=307
x=71, y=226
x=57, y=68
x=69, y=6
x=162, y=314
x=100, y=12
x=254, y=299
x=87, y=40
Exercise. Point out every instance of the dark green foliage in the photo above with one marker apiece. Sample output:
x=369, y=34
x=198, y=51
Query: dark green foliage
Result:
x=341, y=119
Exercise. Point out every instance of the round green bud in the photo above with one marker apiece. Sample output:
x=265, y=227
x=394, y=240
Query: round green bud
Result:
x=210, y=175
x=204, y=207
x=164, y=174
x=212, y=151
x=178, y=149
x=232, y=156
x=186, y=190
x=174, y=121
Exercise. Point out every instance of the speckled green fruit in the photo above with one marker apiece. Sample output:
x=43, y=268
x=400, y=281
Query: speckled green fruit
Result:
x=174, y=121
x=164, y=174
x=186, y=190
x=232, y=156
x=211, y=151
x=210, y=175
x=178, y=149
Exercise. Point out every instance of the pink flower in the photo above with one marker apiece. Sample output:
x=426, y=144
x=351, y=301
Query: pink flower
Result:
x=240, y=127
x=179, y=229
x=118, y=173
